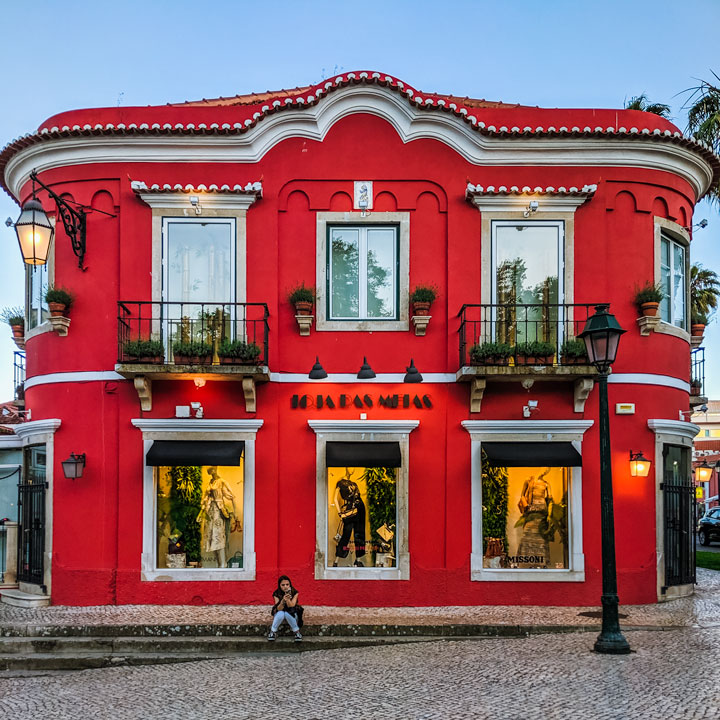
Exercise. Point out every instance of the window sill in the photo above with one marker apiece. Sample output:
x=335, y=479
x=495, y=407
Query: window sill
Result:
x=655, y=324
x=481, y=574
x=402, y=325
x=401, y=572
x=200, y=575
x=44, y=327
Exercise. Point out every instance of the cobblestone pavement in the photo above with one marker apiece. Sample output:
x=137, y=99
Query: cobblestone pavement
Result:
x=543, y=677
x=700, y=610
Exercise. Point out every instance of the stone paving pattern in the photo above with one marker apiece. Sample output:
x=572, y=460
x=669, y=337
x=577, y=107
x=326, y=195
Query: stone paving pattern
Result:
x=669, y=675
x=700, y=610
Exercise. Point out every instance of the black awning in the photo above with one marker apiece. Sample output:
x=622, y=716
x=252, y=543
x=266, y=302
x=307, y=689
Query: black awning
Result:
x=532, y=454
x=195, y=452
x=363, y=454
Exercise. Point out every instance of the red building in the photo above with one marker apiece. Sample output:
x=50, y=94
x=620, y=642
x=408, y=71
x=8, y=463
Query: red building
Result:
x=228, y=437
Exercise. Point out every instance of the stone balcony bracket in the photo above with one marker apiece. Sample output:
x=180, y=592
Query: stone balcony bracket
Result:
x=304, y=324
x=420, y=322
x=60, y=325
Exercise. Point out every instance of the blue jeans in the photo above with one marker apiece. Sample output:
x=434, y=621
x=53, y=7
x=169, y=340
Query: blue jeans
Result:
x=281, y=615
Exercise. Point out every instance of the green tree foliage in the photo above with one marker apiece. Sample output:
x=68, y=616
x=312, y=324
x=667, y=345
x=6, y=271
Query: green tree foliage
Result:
x=382, y=499
x=495, y=502
x=185, y=504
x=704, y=291
x=641, y=102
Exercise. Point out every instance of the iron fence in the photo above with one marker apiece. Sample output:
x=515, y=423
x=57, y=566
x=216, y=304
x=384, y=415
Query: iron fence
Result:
x=3, y=551
x=533, y=334
x=193, y=333
x=697, y=371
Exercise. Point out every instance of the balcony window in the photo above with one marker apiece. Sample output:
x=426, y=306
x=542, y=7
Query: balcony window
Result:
x=673, y=282
x=36, y=287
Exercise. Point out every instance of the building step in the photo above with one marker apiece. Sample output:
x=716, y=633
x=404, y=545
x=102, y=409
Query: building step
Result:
x=19, y=598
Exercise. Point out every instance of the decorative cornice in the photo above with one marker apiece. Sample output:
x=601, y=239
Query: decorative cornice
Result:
x=209, y=196
x=218, y=425
x=311, y=115
x=37, y=427
x=376, y=427
x=503, y=198
x=10, y=442
x=527, y=427
x=674, y=427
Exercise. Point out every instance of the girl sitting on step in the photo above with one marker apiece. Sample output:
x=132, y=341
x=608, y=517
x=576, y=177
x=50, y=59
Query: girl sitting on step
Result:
x=286, y=608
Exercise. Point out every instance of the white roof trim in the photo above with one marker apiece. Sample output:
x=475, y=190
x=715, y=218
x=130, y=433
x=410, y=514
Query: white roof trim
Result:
x=37, y=427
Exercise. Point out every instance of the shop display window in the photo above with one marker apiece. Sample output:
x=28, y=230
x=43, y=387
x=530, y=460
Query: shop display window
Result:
x=200, y=516
x=362, y=517
x=525, y=517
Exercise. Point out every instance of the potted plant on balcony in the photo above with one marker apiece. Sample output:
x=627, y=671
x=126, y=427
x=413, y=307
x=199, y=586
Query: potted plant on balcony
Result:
x=648, y=297
x=574, y=352
x=422, y=297
x=149, y=352
x=237, y=352
x=698, y=322
x=704, y=293
x=192, y=353
x=59, y=301
x=302, y=298
x=537, y=352
x=695, y=387
x=15, y=318
x=490, y=353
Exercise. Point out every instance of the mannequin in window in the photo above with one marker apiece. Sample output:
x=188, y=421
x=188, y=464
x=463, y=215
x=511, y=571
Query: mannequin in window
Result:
x=351, y=511
x=218, y=516
x=534, y=505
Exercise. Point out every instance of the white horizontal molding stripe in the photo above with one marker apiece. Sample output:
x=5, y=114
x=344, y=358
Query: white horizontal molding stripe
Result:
x=350, y=379
x=69, y=377
x=527, y=427
x=314, y=123
x=649, y=379
x=194, y=425
x=377, y=427
x=37, y=427
x=674, y=427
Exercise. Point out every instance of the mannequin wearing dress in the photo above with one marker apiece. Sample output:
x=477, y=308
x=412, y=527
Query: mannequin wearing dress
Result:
x=535, y=501
x=218, y=515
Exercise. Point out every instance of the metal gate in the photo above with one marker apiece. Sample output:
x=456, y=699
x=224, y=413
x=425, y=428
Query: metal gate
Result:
x=679, y=509
x=31, y=517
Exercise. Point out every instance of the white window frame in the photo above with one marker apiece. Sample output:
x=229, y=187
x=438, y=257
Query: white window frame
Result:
x=44, y=326
x=356, y=219
x=191, y=430
x=362, y=431
x=671, y=271
x=362, y=272
x=521, y=431
x=676, y=233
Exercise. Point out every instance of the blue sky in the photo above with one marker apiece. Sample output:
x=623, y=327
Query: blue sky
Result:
x=553, y=54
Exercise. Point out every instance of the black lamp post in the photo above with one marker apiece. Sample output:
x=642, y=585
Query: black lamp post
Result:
x=602, y=335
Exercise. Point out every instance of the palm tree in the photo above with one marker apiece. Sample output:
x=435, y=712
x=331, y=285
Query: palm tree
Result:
x=703, y=106
x=641, y=102
x=704, y=292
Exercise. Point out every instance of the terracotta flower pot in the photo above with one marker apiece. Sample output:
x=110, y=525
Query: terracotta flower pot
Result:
x=697, y=329
x=182, y=359
x=649, y=309
x=18, y=331
x=421, y=308
x=303, y=307
x=56, y=309
x=574, y=360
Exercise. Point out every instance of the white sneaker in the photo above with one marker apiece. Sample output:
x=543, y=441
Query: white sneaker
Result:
x=298, y=636
x=272, y=635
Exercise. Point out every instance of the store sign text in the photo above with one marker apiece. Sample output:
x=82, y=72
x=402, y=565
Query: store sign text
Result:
x=364, y=401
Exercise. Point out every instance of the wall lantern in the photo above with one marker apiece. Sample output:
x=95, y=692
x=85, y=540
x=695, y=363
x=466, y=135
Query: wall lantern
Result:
x=639, y=465
x=366, y=372
x=413, y=374
x=317, y=372
x=703, y=472
x=35, y=231
x=73, y=467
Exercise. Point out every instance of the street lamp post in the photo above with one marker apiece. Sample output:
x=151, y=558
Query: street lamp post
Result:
x=602, y=335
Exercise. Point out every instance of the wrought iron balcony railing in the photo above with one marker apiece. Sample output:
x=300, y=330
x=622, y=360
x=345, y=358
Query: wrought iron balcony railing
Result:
x=186, y=333
x=697, y=372
x=517, y=335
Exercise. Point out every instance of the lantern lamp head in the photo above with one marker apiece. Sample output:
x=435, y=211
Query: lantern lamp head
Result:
x=34, y=233
x=703, y=472
x=639, y=465
x=73, y=467
x=601, y=335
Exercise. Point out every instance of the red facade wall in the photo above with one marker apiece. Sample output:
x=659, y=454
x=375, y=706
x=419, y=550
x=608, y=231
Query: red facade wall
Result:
x=98, y=519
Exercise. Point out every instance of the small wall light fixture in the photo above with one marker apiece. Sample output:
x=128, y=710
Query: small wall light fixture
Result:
x=413, y=374
x=35, y=231
x=639, y=465
x=703, y=472
x=199, y=382
x=366, y=372
x=73, y=467
x=318, y=371
x=531, y=208
x=195, y=202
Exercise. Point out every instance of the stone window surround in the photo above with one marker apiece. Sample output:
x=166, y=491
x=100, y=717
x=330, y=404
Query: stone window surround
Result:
x=192, y=429
x=46, y=326
x=678, y=234
x=402, y=220
x=42, y=432
x=362, y=431
x=667, y=432
x=527, y=431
